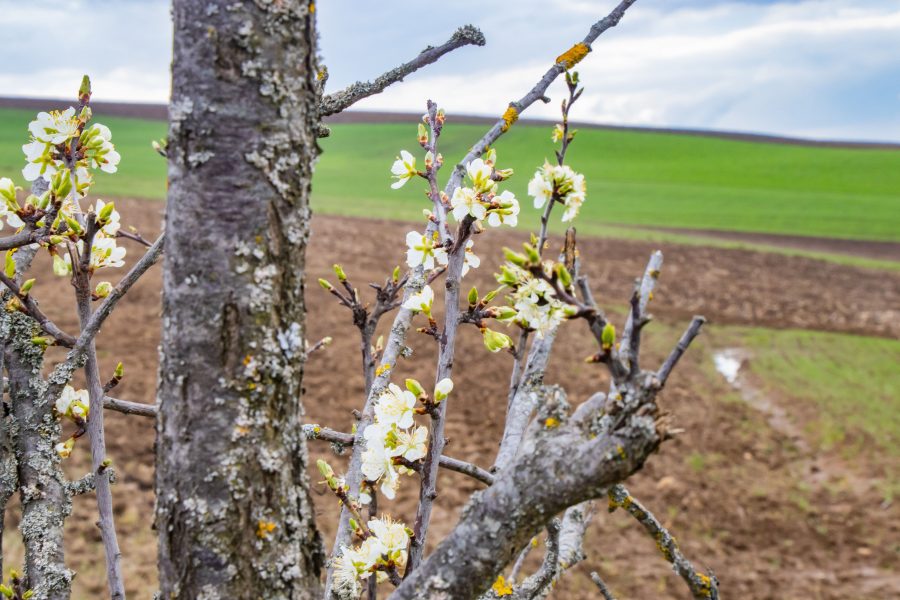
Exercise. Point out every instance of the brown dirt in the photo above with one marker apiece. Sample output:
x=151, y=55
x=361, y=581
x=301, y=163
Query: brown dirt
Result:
x=862, y=248
x=727, y=488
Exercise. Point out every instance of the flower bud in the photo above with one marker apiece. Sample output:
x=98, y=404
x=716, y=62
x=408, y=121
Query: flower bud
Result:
x=106, y=213
x=415, y=387
x=505, y=313
x=7, y=189
x=514, y=257
x=43, y=202
x=503, y=174
x=495, y=341
x=43, y=342
x=325, y=285
x=61, y=183
x=531, y=252
x=339, y=271
x=73, y=225
x=473, y=297
x=490, y=296
x=423, y=135
x=6, y=591
x=395, y=276
x=10, y=266
x=26, y=287
x=103, y=289
x=60, y=266
x=491, y=157
x=440, y=117
x=119, y=373
x=608, y=336
x=564, y=277
x=443, y=389
x=429, y=160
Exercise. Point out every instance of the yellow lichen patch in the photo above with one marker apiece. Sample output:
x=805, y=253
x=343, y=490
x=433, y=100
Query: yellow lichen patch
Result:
x=501, y=588
x=264, y=528
x=704, y=580
x=509, y=117
x=621, y=452
x=573, y=55
x=382, y=369
x=551, y=422
x=247, y=360
x=241, y=430
x=312, y=8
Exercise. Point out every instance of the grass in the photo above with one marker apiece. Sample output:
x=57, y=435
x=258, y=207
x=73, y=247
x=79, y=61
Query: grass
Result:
x=648, y=179
x=852, y=381
x=634, y=178
x=142, y=172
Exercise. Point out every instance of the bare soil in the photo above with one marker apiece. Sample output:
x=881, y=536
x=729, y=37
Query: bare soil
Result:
x=732, y=488
x=862, y=248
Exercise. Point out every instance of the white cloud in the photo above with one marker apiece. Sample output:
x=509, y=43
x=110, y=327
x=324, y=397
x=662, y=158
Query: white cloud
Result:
x=781, y=68
x=809, y=67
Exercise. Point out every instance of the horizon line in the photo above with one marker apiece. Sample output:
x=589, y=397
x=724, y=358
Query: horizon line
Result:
x=159, y=112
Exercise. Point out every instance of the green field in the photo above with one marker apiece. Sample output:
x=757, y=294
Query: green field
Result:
x=634, y=178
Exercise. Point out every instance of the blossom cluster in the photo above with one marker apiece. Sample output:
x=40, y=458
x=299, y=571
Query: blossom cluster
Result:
x=53, y=147
x=394, y=439
x=534, y=299
x=384, y=548
x=481, y=201
x=63, y=150
x=74, y=405
x=558, y=183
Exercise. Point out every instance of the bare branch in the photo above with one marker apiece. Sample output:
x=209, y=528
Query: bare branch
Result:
x=314, y=432
x=99, y=460
x=703, y=587
x=62, y=373
x=31, y=308
x=604, y=591
x=637, y=317
x=339, y=101
x=129, y=408
x=687, y=337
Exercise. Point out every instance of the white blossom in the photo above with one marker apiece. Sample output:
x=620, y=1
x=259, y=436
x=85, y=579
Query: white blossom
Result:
x=466, y=201
x=395, y=407
x=403, y=169
x=479, y=173
x=424, y=251
x=378, y=465
x=507, y=212
x=470, y=261
x=421, y=301
x=73, y=403
x=411, y=445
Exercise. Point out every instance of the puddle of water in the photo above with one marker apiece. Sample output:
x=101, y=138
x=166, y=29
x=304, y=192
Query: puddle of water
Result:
x=728, y=364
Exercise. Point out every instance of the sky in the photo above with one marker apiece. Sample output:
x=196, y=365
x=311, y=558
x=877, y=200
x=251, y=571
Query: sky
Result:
x=823, y=69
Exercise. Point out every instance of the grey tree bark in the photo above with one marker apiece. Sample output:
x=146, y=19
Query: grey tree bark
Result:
x=234, y=514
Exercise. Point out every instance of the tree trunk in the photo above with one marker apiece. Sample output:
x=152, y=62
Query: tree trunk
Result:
x=234, y=514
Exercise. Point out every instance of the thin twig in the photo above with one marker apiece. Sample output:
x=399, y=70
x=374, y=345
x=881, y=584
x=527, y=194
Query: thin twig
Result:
x=687, y=337
x=130, y=408
x=63, y=371
x=31, y=309
x=702, y=586
x=537, y=93
x=339, y=101
x=604, y=591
